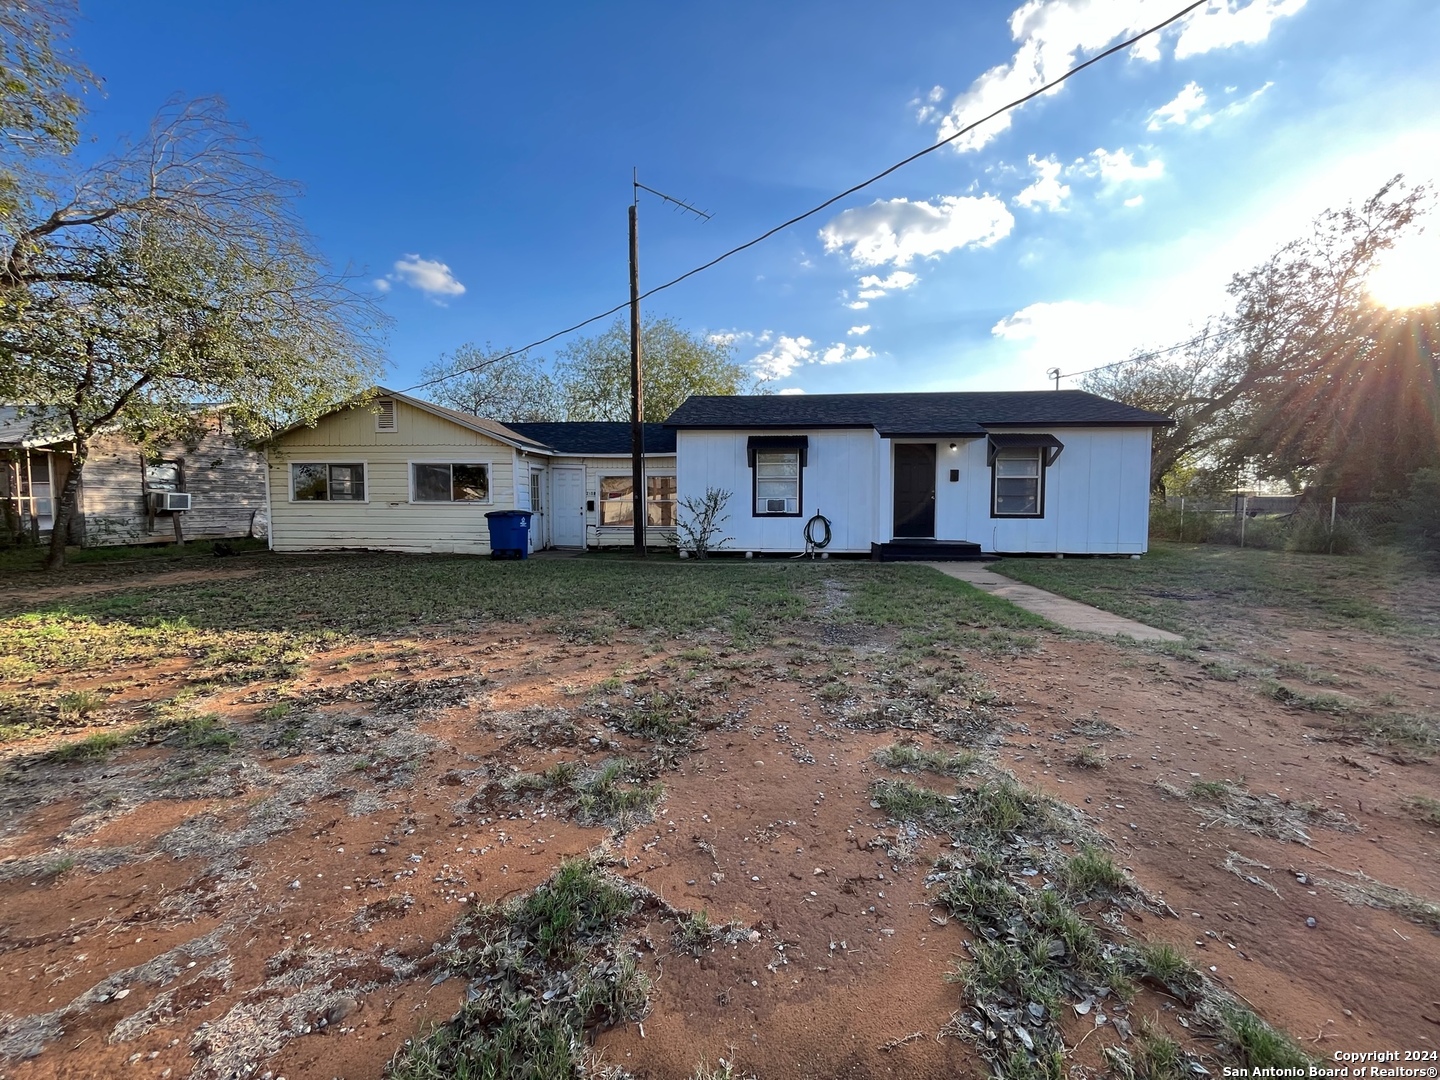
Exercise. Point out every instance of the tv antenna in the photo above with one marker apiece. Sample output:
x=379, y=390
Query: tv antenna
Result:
x=637, y=396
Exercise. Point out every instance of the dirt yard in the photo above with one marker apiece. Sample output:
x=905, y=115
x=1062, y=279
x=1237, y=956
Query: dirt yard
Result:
x=225, y=857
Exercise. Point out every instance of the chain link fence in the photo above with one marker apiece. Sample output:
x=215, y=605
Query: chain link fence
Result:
x=1280, y=522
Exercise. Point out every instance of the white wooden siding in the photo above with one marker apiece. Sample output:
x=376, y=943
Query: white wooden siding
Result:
x=617, y=536
x=388, y=520
x=1096, y=494
x=838, y=481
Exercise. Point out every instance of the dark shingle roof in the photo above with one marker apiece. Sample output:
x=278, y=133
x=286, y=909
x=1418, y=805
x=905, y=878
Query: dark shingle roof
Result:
x=912, y=414
x=595, y=437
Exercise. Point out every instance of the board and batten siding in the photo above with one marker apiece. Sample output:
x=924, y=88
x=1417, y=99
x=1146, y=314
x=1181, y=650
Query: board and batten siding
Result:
x=838, y=480
x=1097, y=496
x=387, y=520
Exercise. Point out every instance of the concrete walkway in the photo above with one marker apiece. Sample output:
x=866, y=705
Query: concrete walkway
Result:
x=1068, y=613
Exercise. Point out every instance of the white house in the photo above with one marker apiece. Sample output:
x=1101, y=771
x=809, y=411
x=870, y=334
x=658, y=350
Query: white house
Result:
x=922, y=476
x=402, y=474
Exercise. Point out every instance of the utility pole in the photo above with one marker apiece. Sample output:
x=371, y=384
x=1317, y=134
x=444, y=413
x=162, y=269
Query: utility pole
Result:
x=637, y=396
x=639, y=502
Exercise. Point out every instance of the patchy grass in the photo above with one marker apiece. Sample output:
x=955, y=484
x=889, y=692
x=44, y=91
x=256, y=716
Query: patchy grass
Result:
x=1166, y=967
x=545, y=969
x=1199, y=590
x=95, y=747
x=909, y=758
x=1090, y=873
x=146, y=557
x=902, y=800
x=614, y=794
x=1089, y=757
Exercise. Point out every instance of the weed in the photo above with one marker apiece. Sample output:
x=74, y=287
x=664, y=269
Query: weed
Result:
x=695, y=932
x=999, y=807
x=1256, y=1045
x=79, y=704
x=1156, y=1057
x=1209, y=789
x=1089, y=757
x=1162, y=964
x=547, y=968
x=1360, y=888
x=834, y=692
x=909, y=758
x=1424, y=808
x=278, y=711
x=58, y=866
x=205, y=733
x=1090, y=872
x=902, y=800
x=91, y=748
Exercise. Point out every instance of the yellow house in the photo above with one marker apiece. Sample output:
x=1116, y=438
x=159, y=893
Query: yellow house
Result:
x=403, y=474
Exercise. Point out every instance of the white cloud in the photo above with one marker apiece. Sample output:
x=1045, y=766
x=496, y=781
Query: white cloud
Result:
x=1191, y=99
x=1083, y=334
x=791, y=391
x=858, y=331
x=1134, y=200
x=1224, y=23
x=782, y=358
x=1051, y=36
x=872, y=286
x=1047, y=190
x=431, y=277
x=381, y=285
x=858, y=305
x=1120, y=168
x=839, y=354
x=897, y=230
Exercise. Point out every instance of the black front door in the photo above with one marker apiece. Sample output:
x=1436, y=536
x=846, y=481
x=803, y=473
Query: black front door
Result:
x=915, y=489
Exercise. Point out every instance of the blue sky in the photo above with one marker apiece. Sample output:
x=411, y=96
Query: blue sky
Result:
x=472, y=162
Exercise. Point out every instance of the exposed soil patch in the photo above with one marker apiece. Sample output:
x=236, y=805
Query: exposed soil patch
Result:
x=284, y=901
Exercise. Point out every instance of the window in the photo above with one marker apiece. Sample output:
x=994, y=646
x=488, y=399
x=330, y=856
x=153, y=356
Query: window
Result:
x=385, y=416
x=617, y=507
x=334, y=483
x=458, y=482
x=777, y=483
x=1019, y=483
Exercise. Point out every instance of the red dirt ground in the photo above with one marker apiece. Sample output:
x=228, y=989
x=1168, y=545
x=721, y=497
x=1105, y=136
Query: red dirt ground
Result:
x=365, y=852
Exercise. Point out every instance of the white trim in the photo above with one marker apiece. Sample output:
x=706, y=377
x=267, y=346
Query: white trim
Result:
x=362, y=462
x=488, y=466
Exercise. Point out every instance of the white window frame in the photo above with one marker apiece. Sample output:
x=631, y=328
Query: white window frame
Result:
x=600, y=500
x=756, y=480
x=364, y=464
x=488, y=466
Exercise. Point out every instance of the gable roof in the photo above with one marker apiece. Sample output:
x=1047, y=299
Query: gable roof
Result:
x=492, y=429
x=914, y=414
x=582, y=438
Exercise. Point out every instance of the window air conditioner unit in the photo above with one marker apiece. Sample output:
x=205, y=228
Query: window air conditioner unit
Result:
x=775, y=506
x=171, y=500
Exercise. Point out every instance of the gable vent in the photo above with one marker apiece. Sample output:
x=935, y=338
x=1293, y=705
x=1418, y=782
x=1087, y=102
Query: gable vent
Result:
x=385, y=415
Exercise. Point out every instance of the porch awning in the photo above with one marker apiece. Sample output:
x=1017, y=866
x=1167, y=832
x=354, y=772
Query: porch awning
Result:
x=1027, y=441
x=773, y=443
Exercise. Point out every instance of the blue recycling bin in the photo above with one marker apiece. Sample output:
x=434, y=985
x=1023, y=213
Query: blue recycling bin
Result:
x=509, y=534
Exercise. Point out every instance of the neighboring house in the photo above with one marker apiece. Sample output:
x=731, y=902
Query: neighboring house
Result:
x=402, y=474
x=924, y=475
x=117, y=502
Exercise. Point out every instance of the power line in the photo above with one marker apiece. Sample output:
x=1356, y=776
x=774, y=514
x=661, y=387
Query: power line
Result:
x=1146, y=357
x=828, y=202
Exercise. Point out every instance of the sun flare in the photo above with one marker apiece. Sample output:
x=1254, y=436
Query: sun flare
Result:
x=1408, y=275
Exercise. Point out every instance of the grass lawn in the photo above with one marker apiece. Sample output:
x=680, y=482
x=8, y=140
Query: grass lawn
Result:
x=259, y=617
x=1199, y=590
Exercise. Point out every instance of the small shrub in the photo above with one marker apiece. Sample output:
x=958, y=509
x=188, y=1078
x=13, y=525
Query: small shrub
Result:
x=278, y=711
x=1089, y=757
x=1162, y=964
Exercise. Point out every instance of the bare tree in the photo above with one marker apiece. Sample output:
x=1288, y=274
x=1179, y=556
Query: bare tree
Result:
x=174, y=273
x=486, y=382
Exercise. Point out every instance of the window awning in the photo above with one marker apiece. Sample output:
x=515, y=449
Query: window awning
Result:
x=1027, y=441
x=778, y=444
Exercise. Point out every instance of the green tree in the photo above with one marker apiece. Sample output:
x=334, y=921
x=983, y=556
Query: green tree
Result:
x=486, y=382
x=1305, y=372
x=594, y=373
x=175, y=273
